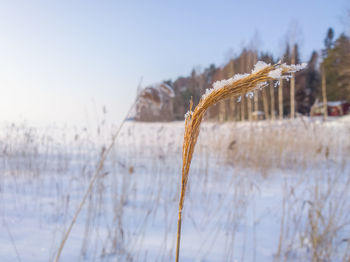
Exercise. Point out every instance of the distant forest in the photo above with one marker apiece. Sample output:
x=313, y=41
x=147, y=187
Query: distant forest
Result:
x=272, y=102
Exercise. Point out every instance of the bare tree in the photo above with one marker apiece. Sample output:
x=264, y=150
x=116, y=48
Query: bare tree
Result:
x=249, y=65
x=256, y=105
x=221, y=104
x=272, y=101
x=249, y=107
x=293, y=38
x=232, y=101
x=292, y=86
x=265, y=103
x=242, y=61
x=242, y=108
x=324, y=94
x=280, y=100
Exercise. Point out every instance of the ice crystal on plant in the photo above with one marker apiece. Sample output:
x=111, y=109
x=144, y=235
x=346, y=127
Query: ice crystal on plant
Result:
x=277, y=83
x=222, y=83
x=250, y=95
x=274, y=74
x=188, y=114
x=260, y=65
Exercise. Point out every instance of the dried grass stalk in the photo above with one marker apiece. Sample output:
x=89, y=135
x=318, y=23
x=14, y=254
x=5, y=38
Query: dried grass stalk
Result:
x=98, y=173
x=239, y=85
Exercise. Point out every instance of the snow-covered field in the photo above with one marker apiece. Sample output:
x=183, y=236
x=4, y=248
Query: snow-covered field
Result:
x=257, y=192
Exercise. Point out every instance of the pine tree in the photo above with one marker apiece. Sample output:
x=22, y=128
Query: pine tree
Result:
x=337, y=70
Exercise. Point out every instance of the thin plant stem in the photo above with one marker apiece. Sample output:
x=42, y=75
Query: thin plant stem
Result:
x=98, y=173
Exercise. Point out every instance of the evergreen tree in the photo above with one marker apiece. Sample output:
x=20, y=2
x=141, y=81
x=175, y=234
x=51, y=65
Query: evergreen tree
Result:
x=328, y=41
x=307, y=86
x=337, y=69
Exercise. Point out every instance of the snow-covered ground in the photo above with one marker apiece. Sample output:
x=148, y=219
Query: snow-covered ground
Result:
x=257, y=192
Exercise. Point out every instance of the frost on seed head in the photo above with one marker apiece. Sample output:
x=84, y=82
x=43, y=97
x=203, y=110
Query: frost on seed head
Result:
x=249, y=95
x=261, y=85
x=294, y=68
x=260, y=65
x=277, y=83
x=275, y=74
x=188, y=114
x=222, y=83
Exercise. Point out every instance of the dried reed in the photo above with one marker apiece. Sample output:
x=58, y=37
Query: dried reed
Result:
x=98, y=173
x=238, y=85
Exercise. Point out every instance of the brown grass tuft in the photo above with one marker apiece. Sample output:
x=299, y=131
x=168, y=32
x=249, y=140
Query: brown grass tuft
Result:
x=193, y=119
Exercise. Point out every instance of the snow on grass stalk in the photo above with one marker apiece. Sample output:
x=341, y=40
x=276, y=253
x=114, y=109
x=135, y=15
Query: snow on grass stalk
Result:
x=236, y=86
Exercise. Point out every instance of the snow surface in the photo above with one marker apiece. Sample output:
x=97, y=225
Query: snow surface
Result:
x=231, y=213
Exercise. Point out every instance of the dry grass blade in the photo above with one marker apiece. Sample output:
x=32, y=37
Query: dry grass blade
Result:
x=98, y=173
x=236, y=86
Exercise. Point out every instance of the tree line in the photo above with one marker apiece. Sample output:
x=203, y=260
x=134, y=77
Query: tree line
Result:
x=329, y=69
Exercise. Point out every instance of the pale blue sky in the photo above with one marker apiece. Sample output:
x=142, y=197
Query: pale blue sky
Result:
x=60, y=61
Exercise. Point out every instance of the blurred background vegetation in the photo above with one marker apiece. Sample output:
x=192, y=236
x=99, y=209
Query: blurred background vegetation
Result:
x=273, y=102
